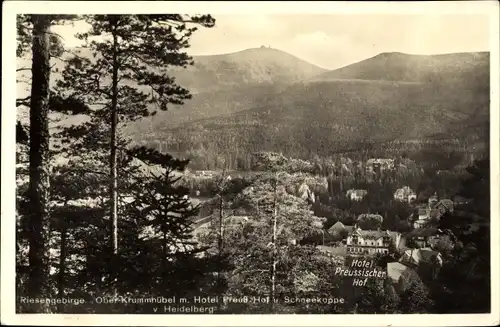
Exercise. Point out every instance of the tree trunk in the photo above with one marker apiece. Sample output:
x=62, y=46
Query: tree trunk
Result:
x=341, y=177
x=113, y=189
x=220, y=242
x=164, y=261
x=38, y=233
x=62, y=265
x=221, y=224
x=274, y=256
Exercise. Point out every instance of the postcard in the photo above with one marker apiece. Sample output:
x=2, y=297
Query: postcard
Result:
x=250, y=163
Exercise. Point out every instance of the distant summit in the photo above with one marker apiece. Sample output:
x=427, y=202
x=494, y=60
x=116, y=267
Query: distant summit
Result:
x=402, y=67
x=250, y=66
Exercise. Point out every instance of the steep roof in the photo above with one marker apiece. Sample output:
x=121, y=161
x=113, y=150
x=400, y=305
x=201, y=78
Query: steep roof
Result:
x=395, y=270
x=373, y=234
x=338, y=226
x=420, y=256
x=447, y=203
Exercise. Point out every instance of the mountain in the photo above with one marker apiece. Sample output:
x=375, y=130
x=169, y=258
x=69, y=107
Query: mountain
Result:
x=265, y=99
x=396, y=66
x=220, y=84
x=248, y=67
x=385, y=98
x=228, y=83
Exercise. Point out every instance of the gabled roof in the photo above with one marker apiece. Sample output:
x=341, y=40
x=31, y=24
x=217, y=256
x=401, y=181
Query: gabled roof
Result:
x=338, y=226
x=374, y=234
x=420, y=256
x=447, y=203
x=395, y=270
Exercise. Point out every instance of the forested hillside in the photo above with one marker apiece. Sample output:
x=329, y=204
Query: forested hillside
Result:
x=324, y=116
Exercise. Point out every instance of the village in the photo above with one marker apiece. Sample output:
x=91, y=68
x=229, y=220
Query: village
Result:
x=414, y=252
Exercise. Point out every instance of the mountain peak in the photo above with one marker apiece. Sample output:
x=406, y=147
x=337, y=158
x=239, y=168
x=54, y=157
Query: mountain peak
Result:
x=249, y=66
x=403, y=67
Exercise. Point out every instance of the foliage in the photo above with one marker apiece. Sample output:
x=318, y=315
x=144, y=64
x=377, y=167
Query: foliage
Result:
x=464, y=283
x=415, y=298
x=376, y=298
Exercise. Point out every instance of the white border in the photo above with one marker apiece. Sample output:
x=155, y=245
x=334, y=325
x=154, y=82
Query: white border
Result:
x=12, y=8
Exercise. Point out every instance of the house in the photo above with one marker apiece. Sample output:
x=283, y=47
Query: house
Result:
x=426, y=261
x=405, y=194
x=431, y=212
x=370, y=242
x=419, y=257
x=339, y=231
x=379, y=165
x=356, y=195
x=395, y=270
x=401, y=275
x=433, y=200
x=444, y=206
x=425, y=216
x=420, y=223
x=424, y=236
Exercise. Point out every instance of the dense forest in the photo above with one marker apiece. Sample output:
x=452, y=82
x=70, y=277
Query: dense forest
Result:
x=102, y=214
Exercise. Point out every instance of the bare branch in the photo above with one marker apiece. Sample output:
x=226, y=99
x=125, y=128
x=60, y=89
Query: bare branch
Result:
x=23, y=101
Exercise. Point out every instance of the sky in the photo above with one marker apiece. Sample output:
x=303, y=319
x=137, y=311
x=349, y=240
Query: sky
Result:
x=333, y=41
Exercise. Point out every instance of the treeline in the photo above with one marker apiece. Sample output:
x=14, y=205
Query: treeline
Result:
x=441, y=154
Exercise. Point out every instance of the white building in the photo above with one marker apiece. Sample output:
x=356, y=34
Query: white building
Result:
x=356, y=195
x=405, y=194
x=369, y=242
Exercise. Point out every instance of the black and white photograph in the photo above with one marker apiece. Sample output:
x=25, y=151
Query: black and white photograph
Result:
x=210, y=162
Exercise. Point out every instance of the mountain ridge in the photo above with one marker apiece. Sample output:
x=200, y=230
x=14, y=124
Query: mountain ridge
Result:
x=398, y=66
x=321, y=115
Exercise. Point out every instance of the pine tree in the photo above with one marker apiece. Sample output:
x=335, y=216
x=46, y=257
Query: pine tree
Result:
x=376, y=299
x=464, y=281
x=125, y=77
x=264, y=249
x=415, y=299
x=35, y=29
x=164, y=208
x=38, y=156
